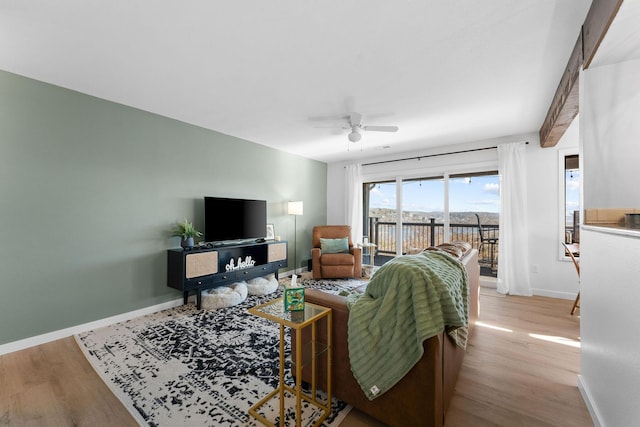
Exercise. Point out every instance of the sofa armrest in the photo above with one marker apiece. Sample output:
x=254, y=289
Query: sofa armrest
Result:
x=415, y=400
x=325, y=299
x=339, y=310
x=340, y=354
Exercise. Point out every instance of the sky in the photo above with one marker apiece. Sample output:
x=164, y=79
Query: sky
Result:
x=475, y=194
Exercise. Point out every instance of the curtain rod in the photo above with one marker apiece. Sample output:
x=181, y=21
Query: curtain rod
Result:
x=432, y=155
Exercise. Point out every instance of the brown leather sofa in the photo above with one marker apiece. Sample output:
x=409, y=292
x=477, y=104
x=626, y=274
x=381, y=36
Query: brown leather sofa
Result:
x=334, y=266
x=422, y=397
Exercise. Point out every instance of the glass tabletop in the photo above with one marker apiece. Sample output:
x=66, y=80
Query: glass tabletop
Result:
x=275, y=311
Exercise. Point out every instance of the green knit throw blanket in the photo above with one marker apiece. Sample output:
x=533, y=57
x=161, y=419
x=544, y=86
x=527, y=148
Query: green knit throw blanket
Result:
x=408, y=300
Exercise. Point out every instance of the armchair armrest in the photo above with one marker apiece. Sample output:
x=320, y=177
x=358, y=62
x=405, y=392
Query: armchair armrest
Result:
x=357, y=254
x=315, y=262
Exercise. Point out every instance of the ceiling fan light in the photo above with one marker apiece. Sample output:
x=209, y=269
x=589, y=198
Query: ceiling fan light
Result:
x=354, y=136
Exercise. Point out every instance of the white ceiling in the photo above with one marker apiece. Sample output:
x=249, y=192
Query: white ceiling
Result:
x=279, y=73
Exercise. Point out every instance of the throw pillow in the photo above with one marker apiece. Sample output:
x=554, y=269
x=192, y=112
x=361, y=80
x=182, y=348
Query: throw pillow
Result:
x=334, y=246
x=465, y=246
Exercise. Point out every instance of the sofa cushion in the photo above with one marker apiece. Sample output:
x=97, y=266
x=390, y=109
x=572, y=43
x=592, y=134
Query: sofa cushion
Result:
x=334, y=246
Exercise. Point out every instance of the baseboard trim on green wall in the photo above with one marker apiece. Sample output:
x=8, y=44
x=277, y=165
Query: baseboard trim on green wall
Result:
x=63, y=333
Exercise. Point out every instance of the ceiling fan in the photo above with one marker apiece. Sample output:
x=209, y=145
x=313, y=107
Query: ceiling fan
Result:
x=356, y=127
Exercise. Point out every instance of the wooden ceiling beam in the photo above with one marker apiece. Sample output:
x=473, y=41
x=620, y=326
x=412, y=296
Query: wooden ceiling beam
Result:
x=565, y=104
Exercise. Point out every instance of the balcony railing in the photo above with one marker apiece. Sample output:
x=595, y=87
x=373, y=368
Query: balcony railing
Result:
x=417, y=236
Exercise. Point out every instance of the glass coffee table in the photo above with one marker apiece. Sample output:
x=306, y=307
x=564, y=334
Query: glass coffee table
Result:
x=297, y=321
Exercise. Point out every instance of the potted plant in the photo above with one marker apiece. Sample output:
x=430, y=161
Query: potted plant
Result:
x=187, y=232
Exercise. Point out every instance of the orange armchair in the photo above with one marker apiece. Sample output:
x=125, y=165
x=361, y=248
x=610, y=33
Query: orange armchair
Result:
x=335, y=265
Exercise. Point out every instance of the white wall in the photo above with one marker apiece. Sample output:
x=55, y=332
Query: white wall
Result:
x=612, y=97
x=609, y=325
x=610, y=289
x=554, y=277
x=336, y=194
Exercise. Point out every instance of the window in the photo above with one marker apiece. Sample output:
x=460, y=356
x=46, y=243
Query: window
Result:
x=434, y=210
x=473, y=198
x=571, y=199
x=379, y=213
x=422, y=203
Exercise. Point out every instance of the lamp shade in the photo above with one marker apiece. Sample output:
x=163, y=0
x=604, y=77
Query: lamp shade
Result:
x=295, y=208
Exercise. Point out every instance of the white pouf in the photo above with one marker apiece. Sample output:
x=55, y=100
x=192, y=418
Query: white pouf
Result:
x=224, y=296
x=262, y=285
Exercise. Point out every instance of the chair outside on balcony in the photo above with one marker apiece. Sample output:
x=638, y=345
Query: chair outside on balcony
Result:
x=491, y=242
x=576, y=263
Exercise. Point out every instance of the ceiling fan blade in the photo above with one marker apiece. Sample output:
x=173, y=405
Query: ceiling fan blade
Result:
x=341, y=127
x=335, y=129
x=355, y=119
x=381, y=128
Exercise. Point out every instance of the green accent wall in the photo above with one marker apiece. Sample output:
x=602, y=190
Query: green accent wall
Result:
x=89, y=188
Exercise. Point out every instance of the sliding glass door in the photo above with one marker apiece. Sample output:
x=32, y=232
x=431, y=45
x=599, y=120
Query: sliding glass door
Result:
x=379, y=222
x=474, y=205
x=433, y=210
x=422, y=208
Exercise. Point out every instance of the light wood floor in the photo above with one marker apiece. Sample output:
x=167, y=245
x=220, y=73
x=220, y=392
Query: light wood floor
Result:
x=520, y=370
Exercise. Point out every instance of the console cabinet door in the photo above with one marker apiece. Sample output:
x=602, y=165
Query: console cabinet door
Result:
x=200, y=264
x=277, y=252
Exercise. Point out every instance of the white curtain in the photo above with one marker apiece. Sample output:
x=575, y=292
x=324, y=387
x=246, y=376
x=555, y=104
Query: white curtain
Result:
x=353, y=202
x=513, y=248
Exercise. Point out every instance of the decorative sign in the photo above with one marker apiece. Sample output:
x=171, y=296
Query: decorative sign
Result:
x=247, y=263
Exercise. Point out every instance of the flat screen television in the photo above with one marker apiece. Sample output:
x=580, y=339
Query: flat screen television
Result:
x=234, y=219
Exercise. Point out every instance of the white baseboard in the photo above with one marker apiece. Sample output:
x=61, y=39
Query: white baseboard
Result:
x=492, y=282
x=553, y=294
x=586, y=396
x=63, y=333
x=488, y=282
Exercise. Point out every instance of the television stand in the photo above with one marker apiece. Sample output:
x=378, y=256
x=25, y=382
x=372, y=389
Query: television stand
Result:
x=202, y=268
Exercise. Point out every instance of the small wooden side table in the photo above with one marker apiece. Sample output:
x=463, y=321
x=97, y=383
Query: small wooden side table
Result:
x=297, y=321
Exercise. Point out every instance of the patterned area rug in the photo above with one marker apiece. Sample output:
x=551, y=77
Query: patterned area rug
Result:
x=188, y=367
